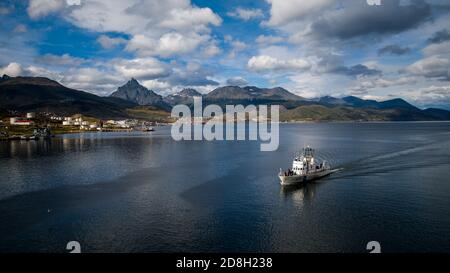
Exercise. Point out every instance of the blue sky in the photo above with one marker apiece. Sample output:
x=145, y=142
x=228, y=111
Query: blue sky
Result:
x=312, y=48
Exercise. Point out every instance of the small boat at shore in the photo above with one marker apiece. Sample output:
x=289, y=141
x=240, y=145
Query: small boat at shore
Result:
x=148, y=129
x=29, y=138
x=304, y=169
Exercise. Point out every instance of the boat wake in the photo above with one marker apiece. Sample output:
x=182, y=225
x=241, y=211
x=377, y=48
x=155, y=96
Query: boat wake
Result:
x=408, y=158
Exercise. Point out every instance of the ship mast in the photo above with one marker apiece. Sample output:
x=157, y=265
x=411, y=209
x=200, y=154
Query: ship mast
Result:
x=308, y=158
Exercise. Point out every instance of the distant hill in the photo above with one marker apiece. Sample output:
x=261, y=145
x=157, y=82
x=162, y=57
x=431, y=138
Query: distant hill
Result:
x=331, y=101
x=357, y=102
x=437, y=114
x=134, y=92
x=185, y=96
x=42, y=94
x=317, y=112
x=394, y=103
x=323, y=113
x=228, y=93
x=276, y=94
x=251, y=93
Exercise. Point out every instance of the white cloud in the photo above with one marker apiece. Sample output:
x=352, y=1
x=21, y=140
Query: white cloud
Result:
x=285, y=11
x=264, y=63
x=237, y=81
x=12, y=69
x=431, y=67
x=212, y=50
x=246, y=14
x=430, y=96
x=109, y=43
x=236, y=46
x=108, y=16
x=15, y=69
x=193, y=74
x=40, y=8
x=142, y=68
x=157, y=28
x=73, y=2
x=169, y=44
x=149, y=17
x=91, y=79
x=311, y=85
x=156, y=84
x=269, y=39
x=37, y=71
x=280, y=52
x=437, y=91
x=437, y=49
x=365, y=83
x=199, y=18
x=387, y=82
x=65, y=59
x=174, y=43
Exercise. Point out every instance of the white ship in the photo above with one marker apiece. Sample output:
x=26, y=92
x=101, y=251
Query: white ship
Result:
x=304, y=169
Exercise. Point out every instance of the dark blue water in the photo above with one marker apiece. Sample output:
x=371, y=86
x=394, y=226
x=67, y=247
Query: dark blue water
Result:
x=144, y=192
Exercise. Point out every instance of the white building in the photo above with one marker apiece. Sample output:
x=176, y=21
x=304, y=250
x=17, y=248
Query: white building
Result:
x=20, y=121
x=123, y=124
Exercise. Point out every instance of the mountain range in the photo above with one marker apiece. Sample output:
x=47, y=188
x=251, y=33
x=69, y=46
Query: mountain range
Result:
x=185, y=96
x=42, y=94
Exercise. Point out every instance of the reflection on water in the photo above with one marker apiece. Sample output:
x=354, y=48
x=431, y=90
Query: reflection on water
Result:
x=131, y=192
x=299, y=194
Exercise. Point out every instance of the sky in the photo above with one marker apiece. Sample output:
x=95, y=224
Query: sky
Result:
x=400, y=48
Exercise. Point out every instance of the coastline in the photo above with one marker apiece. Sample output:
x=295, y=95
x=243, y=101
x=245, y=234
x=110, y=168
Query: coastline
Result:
x=19, y=136
x=369, y=121
x=28, y=137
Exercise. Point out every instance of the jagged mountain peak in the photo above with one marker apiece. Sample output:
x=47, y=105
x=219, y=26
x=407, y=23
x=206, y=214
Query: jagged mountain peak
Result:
x=184, y=96
x=133, y=81
x=135, y=92
x=188, y=92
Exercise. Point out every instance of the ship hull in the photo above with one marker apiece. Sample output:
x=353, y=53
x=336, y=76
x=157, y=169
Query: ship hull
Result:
x=299, y=179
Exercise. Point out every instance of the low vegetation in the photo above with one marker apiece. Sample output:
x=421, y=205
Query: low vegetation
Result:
x=150, y=113
x=312, y=113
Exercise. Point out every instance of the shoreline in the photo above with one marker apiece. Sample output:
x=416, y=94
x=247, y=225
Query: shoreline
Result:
x=29, y=137
x=374, y=121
